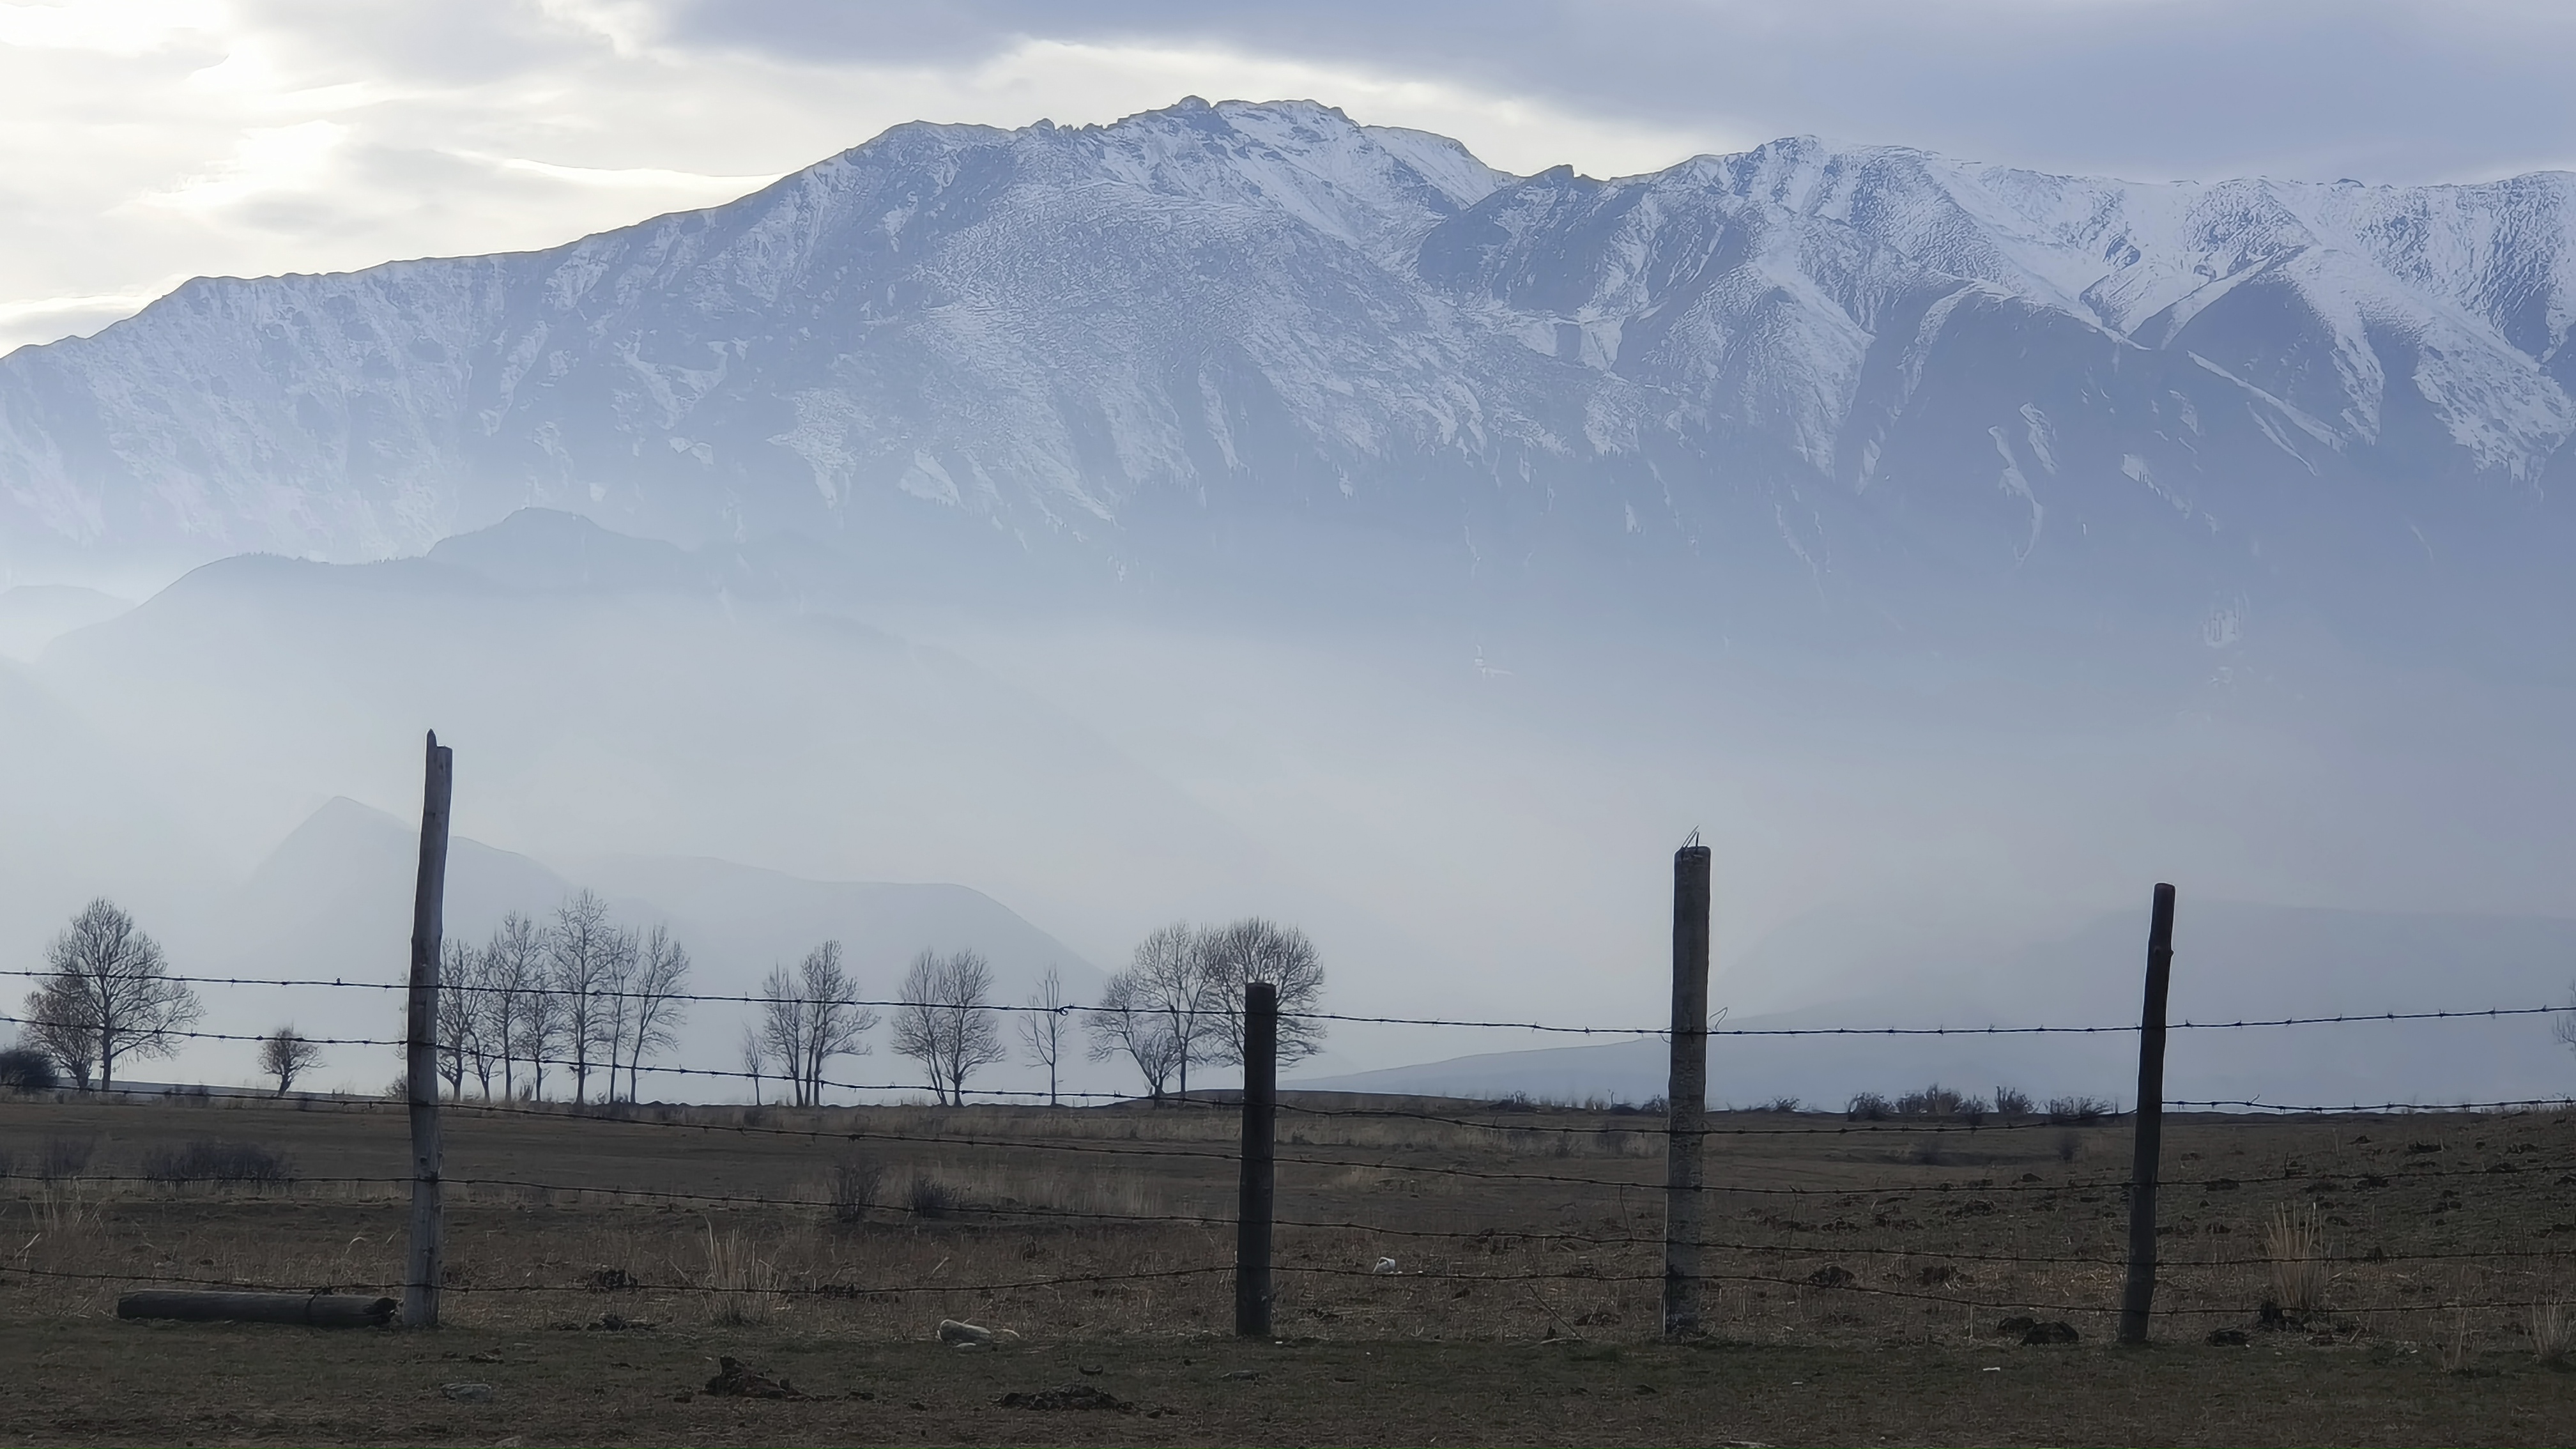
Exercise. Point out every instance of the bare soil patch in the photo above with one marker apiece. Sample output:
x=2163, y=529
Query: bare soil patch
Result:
x=1861, y=1280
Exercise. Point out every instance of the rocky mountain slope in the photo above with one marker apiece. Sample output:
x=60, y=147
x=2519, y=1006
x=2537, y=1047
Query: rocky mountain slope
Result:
x=1261, y=342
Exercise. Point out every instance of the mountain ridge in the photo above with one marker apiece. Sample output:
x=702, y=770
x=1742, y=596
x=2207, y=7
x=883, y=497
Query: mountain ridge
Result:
x=1237, y=341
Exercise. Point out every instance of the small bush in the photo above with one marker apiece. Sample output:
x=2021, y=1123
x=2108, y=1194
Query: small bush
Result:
x=1781, y=1104
x=227, y=1164
x=928, y=1197
x=2012, y=1102
x=2070, y=1145
x=851, y=1188
x=1933, y=1101
x=25, y=1069
x=2078, y=1111
x=62, y=1157
x=1867, y=1107
x=1929, y=1151
x=1971, y=1110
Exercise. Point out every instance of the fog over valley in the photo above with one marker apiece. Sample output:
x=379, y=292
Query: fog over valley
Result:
x=1018, y=540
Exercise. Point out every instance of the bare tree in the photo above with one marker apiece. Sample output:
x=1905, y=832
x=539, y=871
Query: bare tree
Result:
x=659, y=979
x=945, y=1021
x=1172, y=977
x=286, y=1055
x=480, y=1032
x=517, y=1013
x=108, y=978
x=613, y=1018
x=1042, y=1027
x=755, y=1059
x=459, y=1030
x=782, y=1030
x=809, y=1018
x=1254, y=949
x=1121, y=1025
x=580, y=954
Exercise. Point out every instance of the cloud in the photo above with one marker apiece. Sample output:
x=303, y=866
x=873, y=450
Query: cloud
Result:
x=2385, y=90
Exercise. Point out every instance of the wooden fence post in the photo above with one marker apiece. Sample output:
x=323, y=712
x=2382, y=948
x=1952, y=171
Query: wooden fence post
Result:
x=1252, y=1209
x=2150, y=1125
x=420, y=1046
x=1686, y=1093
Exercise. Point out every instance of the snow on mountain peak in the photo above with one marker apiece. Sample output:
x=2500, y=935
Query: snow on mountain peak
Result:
x=1120, y=341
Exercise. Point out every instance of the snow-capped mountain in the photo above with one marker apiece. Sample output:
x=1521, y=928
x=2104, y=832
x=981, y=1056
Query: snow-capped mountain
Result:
x=1201, y=339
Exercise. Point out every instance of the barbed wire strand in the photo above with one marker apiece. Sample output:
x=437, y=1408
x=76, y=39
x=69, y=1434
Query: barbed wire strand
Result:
x=1661, y=1030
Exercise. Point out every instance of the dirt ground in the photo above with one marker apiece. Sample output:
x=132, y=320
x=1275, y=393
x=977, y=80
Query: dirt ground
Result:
x=101, y=1381
x=600, y=1270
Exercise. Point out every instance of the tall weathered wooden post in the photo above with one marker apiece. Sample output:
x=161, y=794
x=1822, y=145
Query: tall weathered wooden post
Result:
x=420, y=1043
x=2150, y=1124
x=1686, y=1094
x=1253, y=1205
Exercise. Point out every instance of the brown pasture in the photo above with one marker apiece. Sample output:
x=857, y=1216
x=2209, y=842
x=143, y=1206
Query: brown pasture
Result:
x=1858, y=1274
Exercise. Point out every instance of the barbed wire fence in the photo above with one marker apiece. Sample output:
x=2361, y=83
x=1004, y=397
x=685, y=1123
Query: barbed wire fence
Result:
x=1472, y=1212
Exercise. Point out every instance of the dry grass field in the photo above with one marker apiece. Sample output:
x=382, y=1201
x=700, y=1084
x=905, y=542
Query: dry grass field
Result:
x=1859, y=1273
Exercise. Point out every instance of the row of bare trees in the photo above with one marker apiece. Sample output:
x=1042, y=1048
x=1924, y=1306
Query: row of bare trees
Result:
x=595, y=1000
x=1179, y=1003
x=578, y=992
x=943, y=1020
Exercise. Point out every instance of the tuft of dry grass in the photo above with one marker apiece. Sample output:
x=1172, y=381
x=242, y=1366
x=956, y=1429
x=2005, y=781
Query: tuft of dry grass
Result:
x=742, y=1287
x=66, y=1210
x=2294, y=1241
x=2455, y=1349
x=2553, y=1330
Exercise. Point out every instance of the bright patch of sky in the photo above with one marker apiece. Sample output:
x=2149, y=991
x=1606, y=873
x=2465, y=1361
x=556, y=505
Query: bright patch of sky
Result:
x=147, y=141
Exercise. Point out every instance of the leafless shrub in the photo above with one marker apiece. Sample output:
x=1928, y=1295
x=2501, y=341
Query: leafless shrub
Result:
x=2070, y=1146
x=27, y=1069
x=1933, y=1101
x=1781, y=1104
x=1868, y=1107
x=227, y=1164
x=2080, y=1111
x=928, y=1197
x=64, y=1156
x=2012, y=1102
x=851, y=1188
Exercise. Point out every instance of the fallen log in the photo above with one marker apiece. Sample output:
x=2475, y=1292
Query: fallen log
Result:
x=314, y=1310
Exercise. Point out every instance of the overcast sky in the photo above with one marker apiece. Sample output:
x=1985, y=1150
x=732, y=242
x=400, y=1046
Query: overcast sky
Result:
x=151, y=140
